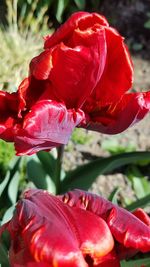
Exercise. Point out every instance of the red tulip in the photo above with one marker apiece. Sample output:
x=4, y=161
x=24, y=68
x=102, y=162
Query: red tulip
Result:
x=80, y=79
x=76, y=229
x=131, y=231
x=46, y=232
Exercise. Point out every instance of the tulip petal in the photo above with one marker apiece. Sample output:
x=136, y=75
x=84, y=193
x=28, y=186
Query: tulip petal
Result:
x=129, y=230
x=117, y=77
x=41, y=65
x=81, y=20
x=84, y=66
x=139, y=213
x=51, y=232
x=125, y=227
x=31, y=91
x=83, y=69
x=48, y=124
x=117, y=117
x=8, y=114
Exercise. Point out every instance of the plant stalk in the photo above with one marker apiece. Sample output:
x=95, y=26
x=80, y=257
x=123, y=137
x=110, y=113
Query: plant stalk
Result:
x=60, y=151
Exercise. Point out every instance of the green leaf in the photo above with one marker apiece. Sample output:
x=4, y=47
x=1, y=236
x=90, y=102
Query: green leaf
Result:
x=113, y=146
x=13, y=187
x=145, y=262
x=80, y=3
x=8, y=214
x=140, y=184
x=113, y=196
x=5, y=182
x=3, y=256
x=38, y=175
x=61, y=5
x=48, y=162
x=141, y=203
x=83, y=176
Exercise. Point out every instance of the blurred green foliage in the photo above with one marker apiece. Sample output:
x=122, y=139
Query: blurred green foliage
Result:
x=21, y=40
x=79, y=136
x=112, y=145
x=6, y=154
x=147, y=23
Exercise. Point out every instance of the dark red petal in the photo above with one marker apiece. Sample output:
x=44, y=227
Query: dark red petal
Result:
x=22, y=93
x=81, y=20
x=117, y=77
x=129, y=230
x=56, y=234
x=124, y=252
x=47, y=124
x=31, y=91
x=25, y=145
x=125, y=227
x=19, y=255
x=110, y=260
x=8, y=115
x=117, y=117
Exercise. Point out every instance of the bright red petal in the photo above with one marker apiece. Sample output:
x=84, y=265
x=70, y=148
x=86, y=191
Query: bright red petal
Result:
x=50, y=232
x=48, y=124
x=81, y=20
x=125, y=227
x=82, y=70
x=41, y=65
x=117, y=117
x=117, y=77
x=129, y=230
x=139, y=213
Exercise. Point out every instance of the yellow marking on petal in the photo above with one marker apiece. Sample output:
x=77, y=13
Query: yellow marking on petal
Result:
x=34, y=241
x=55, y=263
x=65, y=199
x=51, y=62
x=99, y=250
x=84, y=201
x=36, y=256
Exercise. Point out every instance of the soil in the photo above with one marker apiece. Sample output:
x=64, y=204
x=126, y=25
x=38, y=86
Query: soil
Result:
x=130, y=18
x=136, y=136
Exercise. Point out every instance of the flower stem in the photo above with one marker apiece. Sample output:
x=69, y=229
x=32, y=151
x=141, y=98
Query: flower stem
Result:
x=60, y=151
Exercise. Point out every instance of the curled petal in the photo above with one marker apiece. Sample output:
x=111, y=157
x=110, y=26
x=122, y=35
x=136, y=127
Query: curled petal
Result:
x=117, y=117
x=31, y=91
x=41, y=65
x=117, y=77
x=83, y=68
x=139, y=213
x=49, y=231
x=81, y=73
x=81, y=20
x=127, y=229
x=47, y=124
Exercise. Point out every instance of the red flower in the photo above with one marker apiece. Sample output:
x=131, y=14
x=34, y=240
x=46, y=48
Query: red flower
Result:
x=78, y=229
x=131, y=231
x=80, y=79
